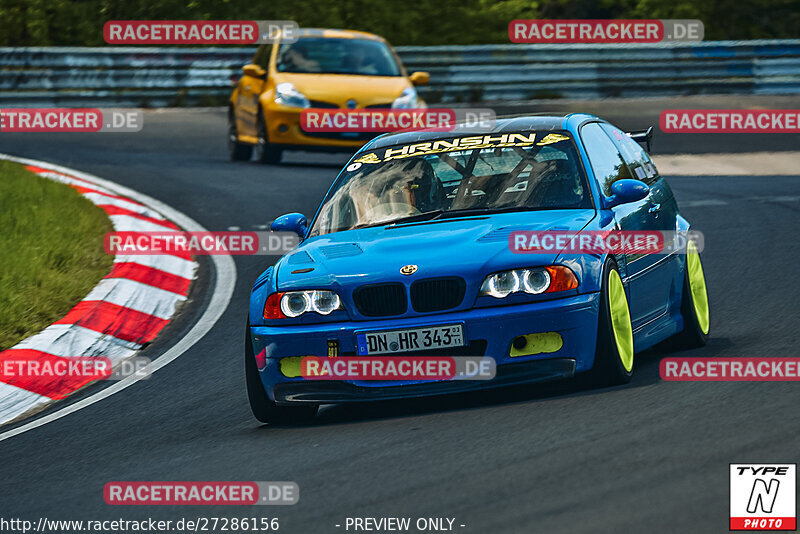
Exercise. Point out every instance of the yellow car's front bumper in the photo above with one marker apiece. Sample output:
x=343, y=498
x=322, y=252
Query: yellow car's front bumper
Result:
x=283, y=128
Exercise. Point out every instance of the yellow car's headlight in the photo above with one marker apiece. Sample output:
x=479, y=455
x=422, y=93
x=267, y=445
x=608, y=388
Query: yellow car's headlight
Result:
x=288, y=95
x=408, y=99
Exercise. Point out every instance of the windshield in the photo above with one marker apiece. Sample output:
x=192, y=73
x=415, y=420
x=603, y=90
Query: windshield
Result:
x=456, y=176
x=317, y=55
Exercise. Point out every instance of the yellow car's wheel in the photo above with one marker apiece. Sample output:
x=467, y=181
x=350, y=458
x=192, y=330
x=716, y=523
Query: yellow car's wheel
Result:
x=613, y=360
x=236, y=151
x=265, y=151
x=695, y=308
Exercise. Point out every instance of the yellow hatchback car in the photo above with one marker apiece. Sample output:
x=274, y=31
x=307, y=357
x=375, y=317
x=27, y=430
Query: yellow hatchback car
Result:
x=319, y=69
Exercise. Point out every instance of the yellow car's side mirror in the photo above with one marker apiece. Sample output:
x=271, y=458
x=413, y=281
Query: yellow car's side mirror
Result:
x=253, y=70
x=420, y=78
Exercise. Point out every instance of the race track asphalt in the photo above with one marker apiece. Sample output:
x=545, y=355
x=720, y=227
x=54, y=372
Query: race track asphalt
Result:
x=651, y=456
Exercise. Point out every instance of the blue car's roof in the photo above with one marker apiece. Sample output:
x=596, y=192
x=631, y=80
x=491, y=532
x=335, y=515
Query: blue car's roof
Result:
x=503, y=124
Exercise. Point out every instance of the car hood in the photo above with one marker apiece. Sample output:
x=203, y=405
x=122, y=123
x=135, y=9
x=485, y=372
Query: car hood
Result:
x=339, y=88
x=468, y=247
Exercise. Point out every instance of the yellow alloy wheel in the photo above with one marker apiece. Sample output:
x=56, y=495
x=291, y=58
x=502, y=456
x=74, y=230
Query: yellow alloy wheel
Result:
x=697, y=284
x=620, y=319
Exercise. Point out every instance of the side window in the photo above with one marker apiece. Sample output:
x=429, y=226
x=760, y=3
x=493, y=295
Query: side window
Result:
x=634, y=154
x=606, y=161
x=262, y=56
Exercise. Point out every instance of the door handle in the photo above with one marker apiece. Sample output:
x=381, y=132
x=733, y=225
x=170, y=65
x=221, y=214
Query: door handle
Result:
x=654, y=208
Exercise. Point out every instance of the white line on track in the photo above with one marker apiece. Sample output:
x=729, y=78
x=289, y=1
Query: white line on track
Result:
x=701, y=203
x=715, y=202
x=223, y=291
x=737, y=164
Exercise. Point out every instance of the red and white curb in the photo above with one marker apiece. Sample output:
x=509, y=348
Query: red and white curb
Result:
x=126, y=310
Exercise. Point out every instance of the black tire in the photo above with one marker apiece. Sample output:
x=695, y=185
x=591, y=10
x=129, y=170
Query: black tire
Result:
x=608, y=369
x=692, y=335
x=236, y=151
x=264, y=409
x=265, y=152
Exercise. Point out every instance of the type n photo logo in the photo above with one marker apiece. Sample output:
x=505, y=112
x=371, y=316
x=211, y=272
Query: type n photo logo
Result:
x=763, y=496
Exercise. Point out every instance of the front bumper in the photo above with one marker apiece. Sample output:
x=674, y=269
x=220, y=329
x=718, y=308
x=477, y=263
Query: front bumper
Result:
x=314, y=392
x=488, y=332
x=283, y=129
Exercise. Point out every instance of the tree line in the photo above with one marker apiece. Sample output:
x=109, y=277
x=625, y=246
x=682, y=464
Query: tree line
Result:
x=402, y=22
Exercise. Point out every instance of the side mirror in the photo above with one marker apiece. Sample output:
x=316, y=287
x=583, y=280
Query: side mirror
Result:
x=625, y=191
x=420, y=78
x=254, y=70
x=291, y=222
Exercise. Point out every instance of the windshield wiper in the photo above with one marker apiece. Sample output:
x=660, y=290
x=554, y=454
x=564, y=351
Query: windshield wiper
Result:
x=436, y=215
x=466, y=212
x=411, y=218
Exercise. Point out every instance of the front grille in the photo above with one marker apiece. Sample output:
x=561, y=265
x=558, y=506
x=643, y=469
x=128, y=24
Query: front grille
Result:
x=437, y=294
x=331, y=105
x=381, y=300
x=321, y=104
x=344, y=136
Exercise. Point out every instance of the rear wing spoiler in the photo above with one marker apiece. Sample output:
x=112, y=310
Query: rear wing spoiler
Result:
x=644, y=137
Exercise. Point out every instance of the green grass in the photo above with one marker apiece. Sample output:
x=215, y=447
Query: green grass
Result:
x=51, y=251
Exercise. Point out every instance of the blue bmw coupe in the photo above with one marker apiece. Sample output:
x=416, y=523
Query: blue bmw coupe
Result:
x=413, y=236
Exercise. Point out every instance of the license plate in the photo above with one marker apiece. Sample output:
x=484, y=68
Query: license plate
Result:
x=410, y=339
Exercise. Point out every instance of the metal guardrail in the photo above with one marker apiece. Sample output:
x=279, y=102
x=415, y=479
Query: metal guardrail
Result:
x=157, y=77
x=525, y=72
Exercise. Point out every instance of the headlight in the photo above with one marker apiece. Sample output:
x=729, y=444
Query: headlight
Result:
x=408, y=99
x=324, y=302
x=535, y=281
x=286, y=94
x=295, y=303
x=531, y=281
x=501, y=285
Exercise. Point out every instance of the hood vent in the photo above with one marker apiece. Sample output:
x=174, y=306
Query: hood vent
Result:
x=500, y=234
x=343, y=250
x=263, y=279
x=299, y=258
x=504, y=232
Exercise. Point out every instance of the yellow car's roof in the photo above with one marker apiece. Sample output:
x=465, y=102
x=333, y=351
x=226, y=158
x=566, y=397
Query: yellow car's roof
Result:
x=331, y=33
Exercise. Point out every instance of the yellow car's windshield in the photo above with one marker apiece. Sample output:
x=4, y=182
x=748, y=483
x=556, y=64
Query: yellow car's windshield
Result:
x=318, y=55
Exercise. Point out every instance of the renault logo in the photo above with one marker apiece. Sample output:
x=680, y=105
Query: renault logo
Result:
x=408, y=269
